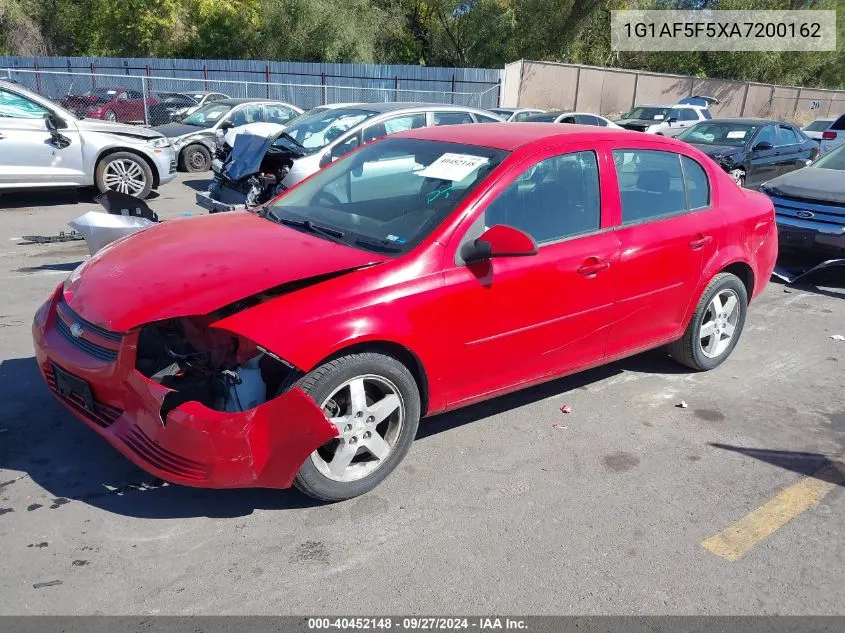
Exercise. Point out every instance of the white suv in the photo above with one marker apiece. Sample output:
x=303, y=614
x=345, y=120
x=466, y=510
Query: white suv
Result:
x=668, y=120
x=44, y=145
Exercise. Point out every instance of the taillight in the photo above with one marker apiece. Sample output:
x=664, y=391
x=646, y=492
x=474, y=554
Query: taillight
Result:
x=829, y=135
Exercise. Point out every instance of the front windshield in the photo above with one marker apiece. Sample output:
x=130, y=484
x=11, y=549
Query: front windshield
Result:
x=207, y=115
x=733, y=134
x=834, y=159
x=175, y=97
x=319, y=127
x=101, y=94
x=817, y=126
x=388, y=196
x=647, y=113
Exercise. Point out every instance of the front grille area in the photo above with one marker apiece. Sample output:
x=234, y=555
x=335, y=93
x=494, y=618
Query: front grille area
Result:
x=824, y=214
x=155, y=455
x=635, y=127
x=103, y=415
x=95, y=341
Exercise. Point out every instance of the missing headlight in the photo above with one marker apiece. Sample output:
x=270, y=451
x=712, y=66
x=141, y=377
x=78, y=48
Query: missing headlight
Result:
x=198, y=363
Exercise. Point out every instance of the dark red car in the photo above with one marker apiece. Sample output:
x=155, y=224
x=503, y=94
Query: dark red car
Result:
x=423, y=272
x=112, y=104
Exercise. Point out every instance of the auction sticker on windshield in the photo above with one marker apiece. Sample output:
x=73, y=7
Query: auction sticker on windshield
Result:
x=736, y=134
x=454, y=167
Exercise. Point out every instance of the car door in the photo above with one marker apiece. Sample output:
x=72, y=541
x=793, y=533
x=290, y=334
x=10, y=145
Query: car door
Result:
x=29, y=154
x=518, y=319
x=791, y=152
x=667, y=230
x=764, y=162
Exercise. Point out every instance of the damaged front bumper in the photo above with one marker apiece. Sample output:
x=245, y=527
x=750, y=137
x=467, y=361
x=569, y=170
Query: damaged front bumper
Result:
x=196, y=446
x=211, y=205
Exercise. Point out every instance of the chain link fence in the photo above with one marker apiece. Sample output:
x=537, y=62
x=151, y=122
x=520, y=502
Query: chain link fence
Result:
x=153, y=100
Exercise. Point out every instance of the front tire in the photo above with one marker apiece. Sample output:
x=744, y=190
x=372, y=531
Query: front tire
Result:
x=110, y=116
x=716, y=325
x=124, y=172
x=374, y=402
x=195, y=158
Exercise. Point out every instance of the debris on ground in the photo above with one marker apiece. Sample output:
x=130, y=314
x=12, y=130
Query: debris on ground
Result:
x=38, y=545
x=682, y=404
x=50, y=583
x=566, y=409
x=838, y=337
x=559, y=426
x=70, y=236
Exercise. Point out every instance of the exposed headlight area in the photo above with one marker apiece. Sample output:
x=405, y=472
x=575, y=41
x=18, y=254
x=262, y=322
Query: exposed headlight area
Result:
x=218, y=369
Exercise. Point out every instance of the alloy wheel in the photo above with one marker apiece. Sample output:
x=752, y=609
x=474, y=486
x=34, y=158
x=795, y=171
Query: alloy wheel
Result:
x=124, y=176
x=719, y=323
x=369, y=413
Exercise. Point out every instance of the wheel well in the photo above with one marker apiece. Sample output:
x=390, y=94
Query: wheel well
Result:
x=745, y=274
x=400, y=353
x=115, y=150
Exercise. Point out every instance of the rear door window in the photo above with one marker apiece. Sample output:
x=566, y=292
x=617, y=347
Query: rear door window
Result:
x=651, y=184
x=786, y=136
x=452, y=118
x=586, y=119
x=394, y=125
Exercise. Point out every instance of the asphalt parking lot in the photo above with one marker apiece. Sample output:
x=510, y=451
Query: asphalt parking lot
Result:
x=629, y=504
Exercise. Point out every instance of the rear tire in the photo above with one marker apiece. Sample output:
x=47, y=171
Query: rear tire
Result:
x=374, y=401
x=195, y=158
x=110, y=116
x=716, y=325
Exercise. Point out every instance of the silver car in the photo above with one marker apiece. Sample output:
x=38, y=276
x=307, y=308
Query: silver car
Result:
x=327, y=134
x=830, y=133
x=46, y=146
x=194, y=137
x=322, y=135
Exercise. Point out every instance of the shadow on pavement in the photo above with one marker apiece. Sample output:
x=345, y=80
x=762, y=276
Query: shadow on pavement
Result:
x=796, y=461
x=198, y=184
x=54, y=197
x=39, y=437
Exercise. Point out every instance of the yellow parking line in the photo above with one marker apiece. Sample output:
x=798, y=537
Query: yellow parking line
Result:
x=758, y=525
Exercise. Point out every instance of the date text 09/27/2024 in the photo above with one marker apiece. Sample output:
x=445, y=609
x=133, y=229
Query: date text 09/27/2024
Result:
x=416, y=623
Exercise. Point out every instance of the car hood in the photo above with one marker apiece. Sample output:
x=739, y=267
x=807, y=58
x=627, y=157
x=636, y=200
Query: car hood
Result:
x=196, y=265
x=717, y=150
x=813, y=183
x=172, y=130
x=121, y=129
x=649, y=122
x=258, y=129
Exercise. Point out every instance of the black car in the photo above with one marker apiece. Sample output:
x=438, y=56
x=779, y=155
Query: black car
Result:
x=753, y=151
x=810, y=205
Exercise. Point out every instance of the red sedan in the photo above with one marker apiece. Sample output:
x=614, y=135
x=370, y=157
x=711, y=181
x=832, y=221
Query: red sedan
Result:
x=429, y=270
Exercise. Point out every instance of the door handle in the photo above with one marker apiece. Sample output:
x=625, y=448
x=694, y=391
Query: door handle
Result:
x=2, y=137
x=593, y=267
x=700, y=241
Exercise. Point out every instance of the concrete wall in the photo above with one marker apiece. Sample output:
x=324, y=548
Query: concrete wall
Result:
x=612, y=91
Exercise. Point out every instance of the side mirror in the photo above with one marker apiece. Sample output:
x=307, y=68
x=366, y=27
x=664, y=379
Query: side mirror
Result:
x=325, y=159
x=671, y=119
x=762, y=146
x=499, y=241
x=50, y=123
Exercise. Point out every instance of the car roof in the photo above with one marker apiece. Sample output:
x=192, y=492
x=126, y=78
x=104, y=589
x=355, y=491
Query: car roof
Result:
x=405, y=105
x=749, y=121
x=508, y=136
x=234, y=102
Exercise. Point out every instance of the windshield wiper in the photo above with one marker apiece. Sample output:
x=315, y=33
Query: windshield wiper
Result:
x=308, y=225
x=379, y=245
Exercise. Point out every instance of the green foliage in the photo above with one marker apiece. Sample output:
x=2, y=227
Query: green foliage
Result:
x=486, y=33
